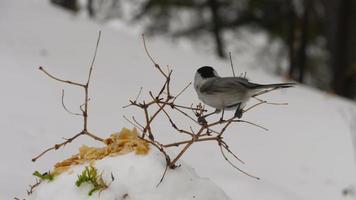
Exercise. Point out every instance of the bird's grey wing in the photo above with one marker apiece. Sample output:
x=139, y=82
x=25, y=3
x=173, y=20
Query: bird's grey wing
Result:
x=225, y=85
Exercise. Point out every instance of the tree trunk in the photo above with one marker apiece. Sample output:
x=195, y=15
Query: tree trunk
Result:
x=341, y=42
x=291, y=42
x=216, y=29
x=302, y=54
x=68, y=4
x=90, y=8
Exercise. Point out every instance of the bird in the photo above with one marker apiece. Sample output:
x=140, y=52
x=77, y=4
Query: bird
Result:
x=227, y=93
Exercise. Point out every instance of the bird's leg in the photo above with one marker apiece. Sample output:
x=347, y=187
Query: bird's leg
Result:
x=238, y=112
x=222, y=115
x=201, y=119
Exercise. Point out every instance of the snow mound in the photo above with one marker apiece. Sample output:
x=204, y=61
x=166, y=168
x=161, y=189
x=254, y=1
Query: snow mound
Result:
x=135, y=178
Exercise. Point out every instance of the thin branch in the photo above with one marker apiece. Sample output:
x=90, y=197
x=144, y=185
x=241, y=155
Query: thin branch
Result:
x=176, y=144
x=271, y=103
x=185, y=114
x=59, y=145
x=185, y=148
x=163, y=175
x=181, y=92
x=226, y=147
x=253, y=106
x=263, y=102
x=92, y=62
x=225, y=127
x=81, y=106
x=66, y=109
x=232, y=66
x=148, y=54
x=60, y=80
x=174, y=125
x=191, y=129
x=243, y=121
x=135, y=101
x=264, y=92
x=135, y=125
x=161, y=149
x=148, y=122
x=139, y=93
x=234, y=166
x=173, y=105
x=133, y=118
x=32, y=187
x=93, y=136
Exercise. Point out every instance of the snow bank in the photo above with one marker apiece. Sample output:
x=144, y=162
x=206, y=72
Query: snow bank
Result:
x=135, y=178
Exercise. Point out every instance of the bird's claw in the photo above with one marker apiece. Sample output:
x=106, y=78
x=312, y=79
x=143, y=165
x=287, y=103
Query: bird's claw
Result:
x=202, y=121
x=238, y=113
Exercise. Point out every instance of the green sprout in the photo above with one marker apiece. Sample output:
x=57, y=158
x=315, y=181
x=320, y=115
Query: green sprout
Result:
x=45, y=176
x=91, y=176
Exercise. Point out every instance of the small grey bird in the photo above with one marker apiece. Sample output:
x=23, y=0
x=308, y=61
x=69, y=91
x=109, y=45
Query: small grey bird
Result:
x=227, y=93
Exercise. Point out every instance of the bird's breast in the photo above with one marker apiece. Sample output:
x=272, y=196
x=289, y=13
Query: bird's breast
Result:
x=222, y=101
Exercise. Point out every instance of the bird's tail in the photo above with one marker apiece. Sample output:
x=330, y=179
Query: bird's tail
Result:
x=274, y=86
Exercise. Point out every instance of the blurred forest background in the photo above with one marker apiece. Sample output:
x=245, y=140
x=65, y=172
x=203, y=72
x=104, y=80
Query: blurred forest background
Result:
x=314, y=41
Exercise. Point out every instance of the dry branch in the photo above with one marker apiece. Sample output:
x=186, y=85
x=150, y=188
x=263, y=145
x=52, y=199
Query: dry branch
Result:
x=83, y=107
x=163, y=103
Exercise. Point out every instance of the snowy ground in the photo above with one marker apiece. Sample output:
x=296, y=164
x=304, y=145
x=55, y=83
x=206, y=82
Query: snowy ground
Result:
x=306, y=154
x=132, y=177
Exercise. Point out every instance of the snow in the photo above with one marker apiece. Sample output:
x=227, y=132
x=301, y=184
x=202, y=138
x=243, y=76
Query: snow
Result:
x=136, y=177
x=306, y=154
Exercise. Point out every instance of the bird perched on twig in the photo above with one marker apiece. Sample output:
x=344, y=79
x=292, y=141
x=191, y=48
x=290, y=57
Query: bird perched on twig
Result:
x=227, y=93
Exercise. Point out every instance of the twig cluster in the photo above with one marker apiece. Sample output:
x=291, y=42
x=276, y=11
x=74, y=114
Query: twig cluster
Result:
x=161, y=102
x=164, y=102
x=83, y=108
x=33, y=186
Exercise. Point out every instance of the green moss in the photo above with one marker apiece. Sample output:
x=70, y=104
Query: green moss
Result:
x=90, y=176
x=45, y=176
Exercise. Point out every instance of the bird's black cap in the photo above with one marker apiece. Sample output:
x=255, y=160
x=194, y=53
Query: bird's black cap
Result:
x=206, y=72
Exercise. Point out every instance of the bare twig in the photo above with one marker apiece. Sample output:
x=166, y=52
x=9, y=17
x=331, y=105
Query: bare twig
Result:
x=59, y=79
x=85, y=105
x=247, y=122
x=264, y=92
x=139, y=93
x=148, y=54
x=172, y=164
x=66, y=109
x=181, y=92
x=176, y=144
x=141, y=126
x=92, y=62
x=232, y=65
x=271, y=103
x=234, y=166
x=164, y=174
x=59, y=145
x=173, y=124
x=226, y=147
x=134, y=124
x=32, y=187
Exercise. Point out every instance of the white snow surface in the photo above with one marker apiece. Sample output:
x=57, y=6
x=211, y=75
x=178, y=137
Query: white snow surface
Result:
x=306, y=154
x=136, y=177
